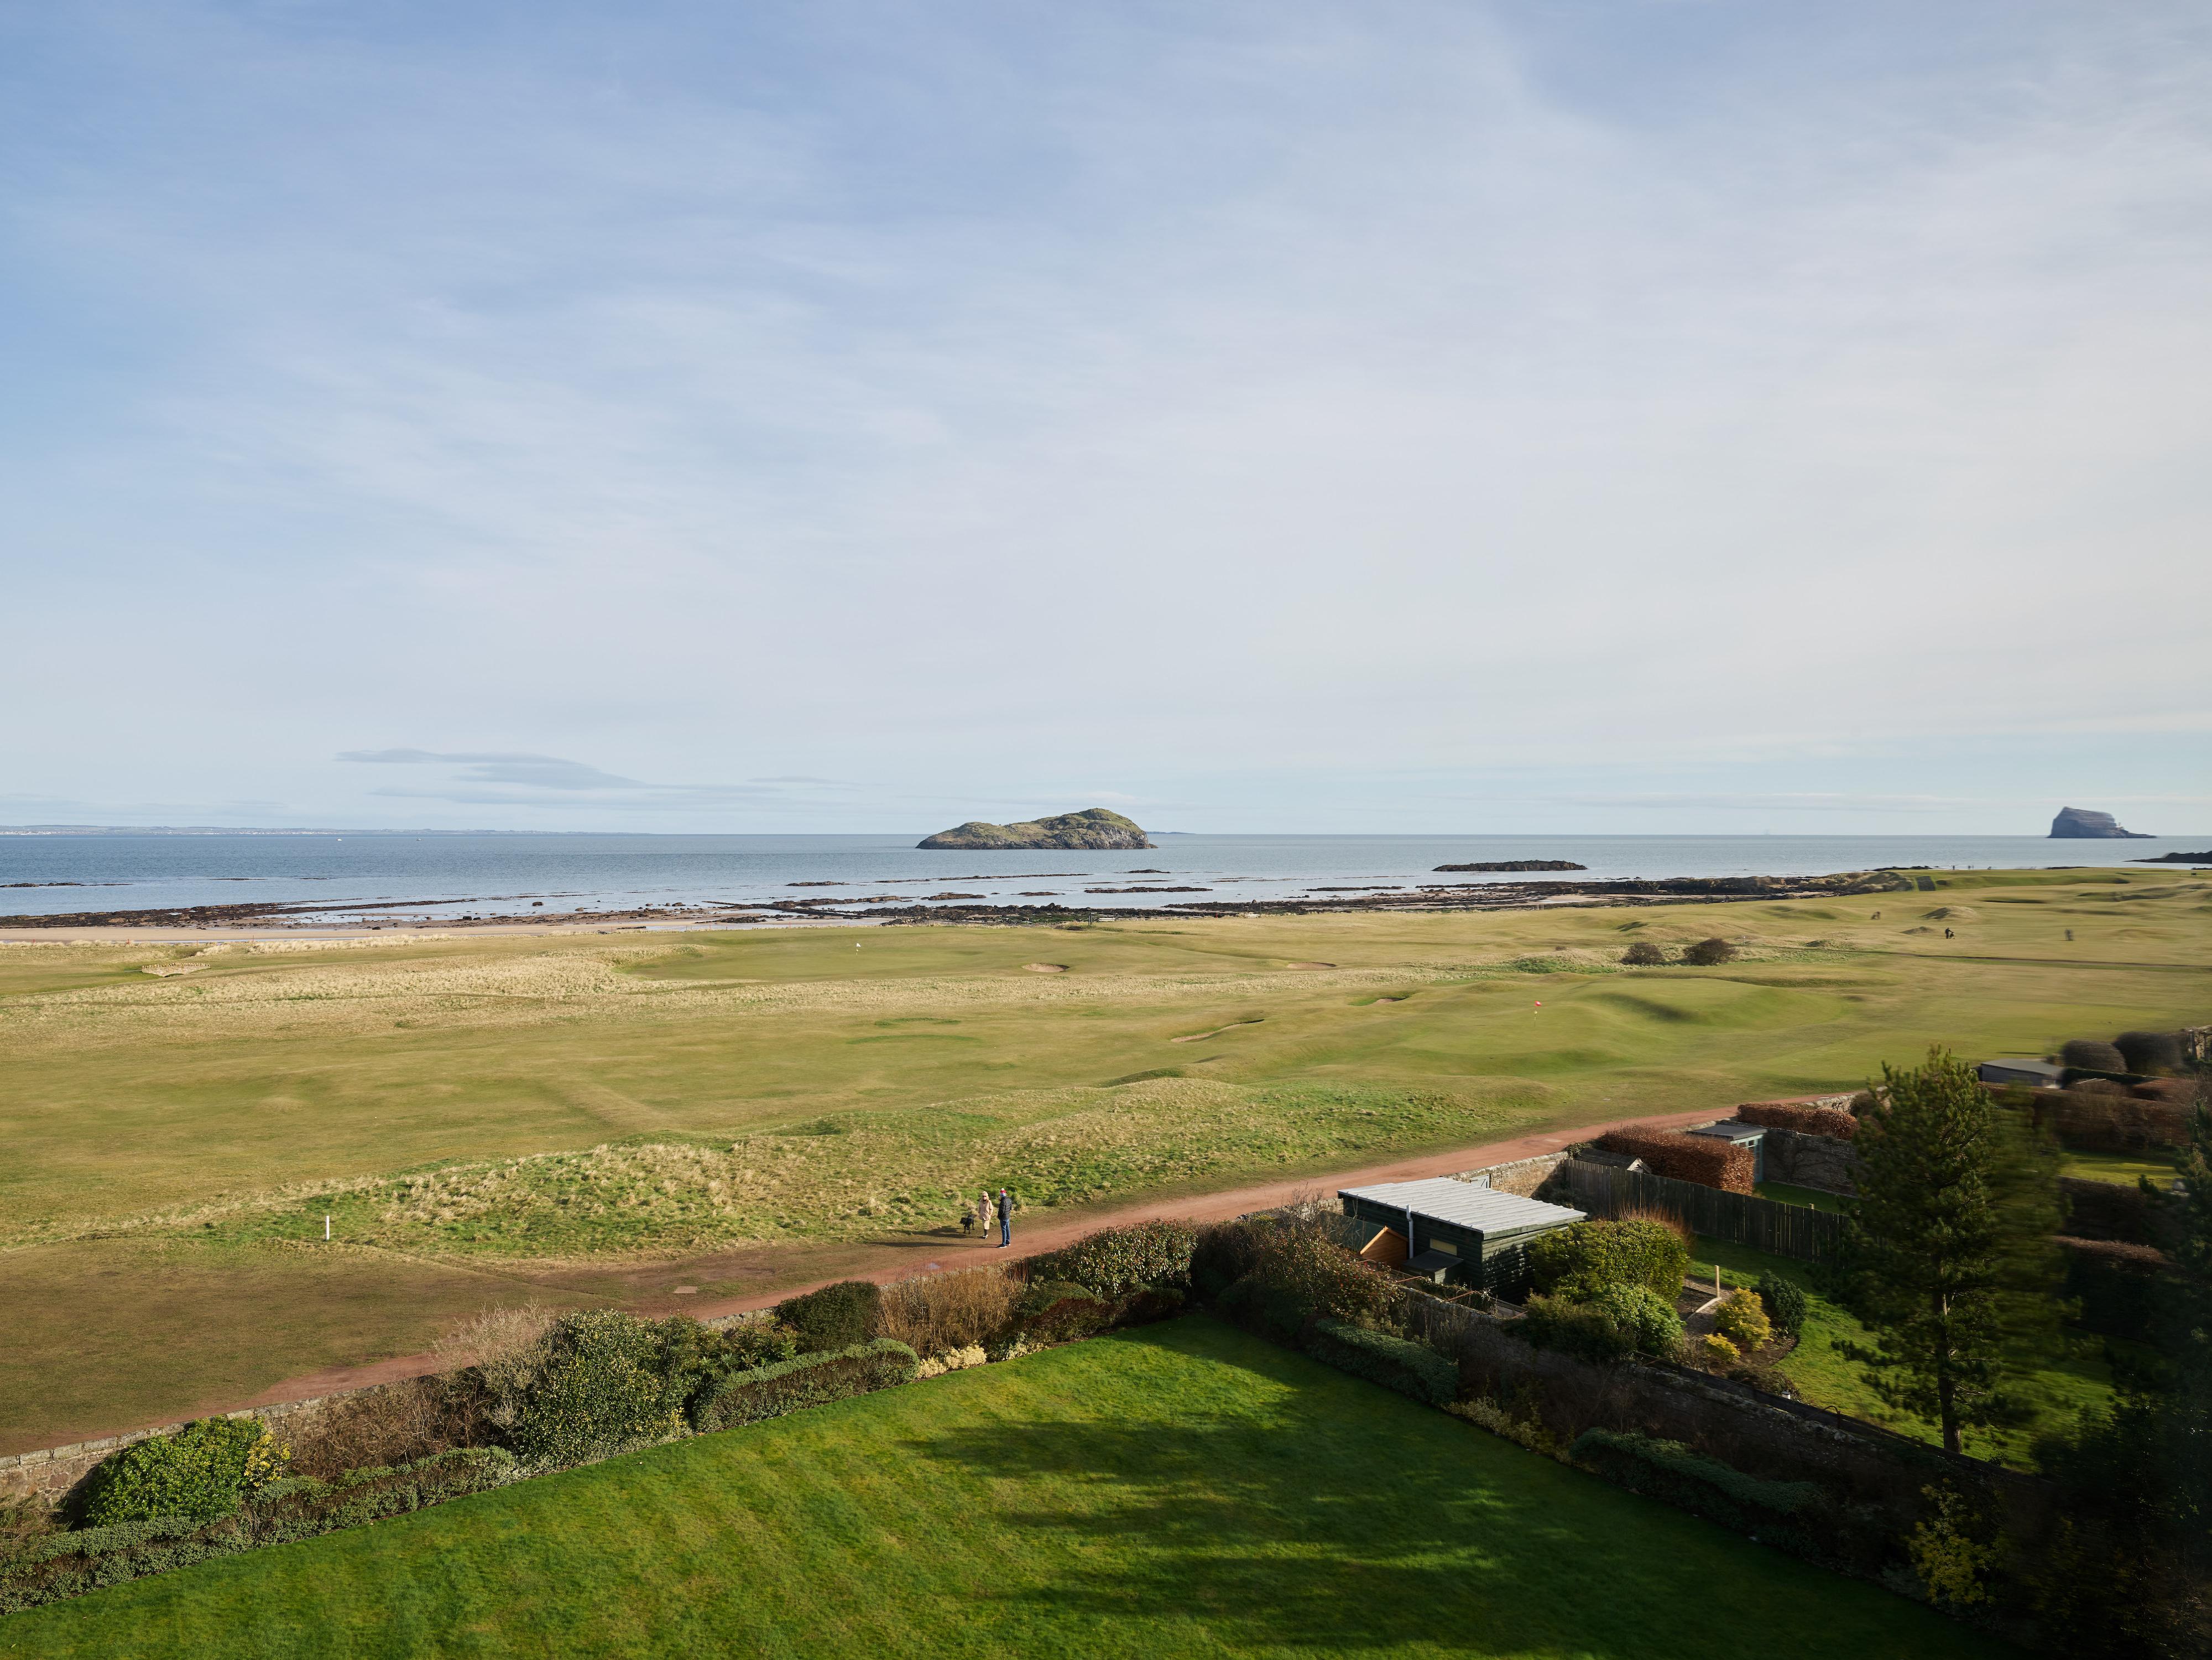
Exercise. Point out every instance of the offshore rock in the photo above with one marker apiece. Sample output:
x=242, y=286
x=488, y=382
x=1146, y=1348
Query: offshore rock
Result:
x=2078, y=823
x=1095, y=827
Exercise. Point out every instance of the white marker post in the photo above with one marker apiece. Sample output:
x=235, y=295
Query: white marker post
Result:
x=326, y=1228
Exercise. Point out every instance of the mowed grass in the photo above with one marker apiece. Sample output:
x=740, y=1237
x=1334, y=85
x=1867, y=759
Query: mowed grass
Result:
x=585, y=1116
x=1185, y=1490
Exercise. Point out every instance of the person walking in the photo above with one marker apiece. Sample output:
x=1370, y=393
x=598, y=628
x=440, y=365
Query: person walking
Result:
x=1006, y=1219
x=984, y=1212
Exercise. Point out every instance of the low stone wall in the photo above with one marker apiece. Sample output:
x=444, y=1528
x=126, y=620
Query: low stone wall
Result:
x=1810, y=1161
x=1522, y=1177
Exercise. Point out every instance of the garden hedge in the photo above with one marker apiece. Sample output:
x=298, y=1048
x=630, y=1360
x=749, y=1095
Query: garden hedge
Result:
x=1410, y=1368
x=1705, y=1159
x=812, y=1380
x=1116, y=1262
x=835, y=1316
x=1790, y=1514
x=1583, y=1259
x=65, y=1564
x=202, y=1471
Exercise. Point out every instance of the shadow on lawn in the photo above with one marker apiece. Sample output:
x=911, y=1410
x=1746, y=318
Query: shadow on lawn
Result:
x=1320, y=1520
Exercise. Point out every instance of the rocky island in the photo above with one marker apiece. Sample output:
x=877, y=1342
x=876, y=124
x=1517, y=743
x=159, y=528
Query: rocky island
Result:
x=1094, y=827
x=2078, y=823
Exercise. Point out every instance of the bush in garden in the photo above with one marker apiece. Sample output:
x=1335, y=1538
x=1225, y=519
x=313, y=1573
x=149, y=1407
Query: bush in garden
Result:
x=1705, y=1159
x=2150, y=1051
x=835, y=1317
x=1302, y=1273
x=1830, y=1121
x=1222, y=1254
x=1785, y=1302
x=1585, y=1258
x=1708, y=952
x=2091, y=1054
x=938, y=1313
x=204, y=1470
x=1410, y=1368
x=1581, y=1329
x=1060, y=1311
x=393, y=1424
x=1116, y=1260
x=1651, y=1326
x=751, y=1343
x=1644, y=954
x=608, y=1380
x=1717, y=1350
x=1741, y=1318
x=809, y=1380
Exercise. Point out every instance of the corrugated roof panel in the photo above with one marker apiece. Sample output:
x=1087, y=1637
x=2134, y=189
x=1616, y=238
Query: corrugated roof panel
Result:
x=1443, y=1200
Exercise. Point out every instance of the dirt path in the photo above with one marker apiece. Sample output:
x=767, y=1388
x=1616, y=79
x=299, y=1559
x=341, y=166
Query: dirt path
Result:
x=889, y=1262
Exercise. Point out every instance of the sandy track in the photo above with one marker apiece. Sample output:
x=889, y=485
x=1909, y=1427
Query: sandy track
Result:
x=887, y=1262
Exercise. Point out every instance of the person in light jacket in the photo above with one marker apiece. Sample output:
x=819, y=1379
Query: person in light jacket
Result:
x=984, y=1214
x=1006, y=1219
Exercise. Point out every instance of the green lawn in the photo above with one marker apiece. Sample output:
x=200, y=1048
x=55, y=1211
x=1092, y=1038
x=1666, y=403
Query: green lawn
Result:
x=1184, y=1490
x=2121, y=1167
x=2058, y=1390
x=1789, y=1193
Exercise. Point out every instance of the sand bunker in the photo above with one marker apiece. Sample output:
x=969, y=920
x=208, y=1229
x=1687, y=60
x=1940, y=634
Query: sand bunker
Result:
x=1046, y=968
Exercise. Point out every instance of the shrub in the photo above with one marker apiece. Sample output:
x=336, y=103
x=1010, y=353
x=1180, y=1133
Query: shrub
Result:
x=1584, y=1330
x=748, y=1397
x=1707, y=1160
x=937, y=1313
x=609, y=1380
x=1716, y=1350
x=2090, y=1054
x=1741, y=1318
x=1410, y=1368
x=750, y=1343
x=1648, y=1322
x=204, y=1470
x=1223, y=1252
x=1786, y=1513
x=835, y=1316
x=1785, y=1302
x=1644, y=954
x=2111, y=1119
x=1585, y=1258
x=1707, y=952
x=1116, y=1260
x=2150, y=1051
x=70, y=1564
x=395, y=1424
x=1831, y=1121
x=1060, y=1311
x=1299, y=1274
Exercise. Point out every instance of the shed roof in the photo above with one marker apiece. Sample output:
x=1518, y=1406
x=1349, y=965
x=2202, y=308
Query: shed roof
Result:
x=1443, y=1200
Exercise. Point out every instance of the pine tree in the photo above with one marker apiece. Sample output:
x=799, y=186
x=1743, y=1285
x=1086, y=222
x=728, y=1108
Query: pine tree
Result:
x=1954, y=1267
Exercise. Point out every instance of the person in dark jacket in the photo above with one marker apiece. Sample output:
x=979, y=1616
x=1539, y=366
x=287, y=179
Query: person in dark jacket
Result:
x=1006, y=1218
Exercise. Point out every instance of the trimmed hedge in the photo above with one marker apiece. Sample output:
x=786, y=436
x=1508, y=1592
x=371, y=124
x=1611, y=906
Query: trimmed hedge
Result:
x=610, y=1380
x=1785, y=1513
x=1410, y=1368
x=2150, y=1051
x=2092, y=1054
x=2115, y=1284
x=1584, y=1330
x=1061, y=1311
x=1117, y=1261
x=1832, y=1121
x=2114, y=1121
x=67, y=1565
x=1705, y=1159
x=1649, y=1323
x=1786, y=1306
x=835, y=1316
x=812, y=1380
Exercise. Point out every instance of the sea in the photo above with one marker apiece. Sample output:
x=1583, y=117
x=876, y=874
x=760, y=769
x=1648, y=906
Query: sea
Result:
x=431, y=877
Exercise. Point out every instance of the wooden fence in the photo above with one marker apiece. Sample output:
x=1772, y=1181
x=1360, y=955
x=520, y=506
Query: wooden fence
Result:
x=1741, y=1218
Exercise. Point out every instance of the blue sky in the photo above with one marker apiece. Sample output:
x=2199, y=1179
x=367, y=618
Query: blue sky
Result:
x=1668, y=416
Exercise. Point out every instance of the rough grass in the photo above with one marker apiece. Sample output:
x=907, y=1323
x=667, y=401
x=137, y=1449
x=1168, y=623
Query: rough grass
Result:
x=515, y=1113
x=1182, y=1491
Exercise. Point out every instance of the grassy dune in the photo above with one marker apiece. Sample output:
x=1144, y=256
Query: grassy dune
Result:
x=1184, y=1490
x=582, y=1117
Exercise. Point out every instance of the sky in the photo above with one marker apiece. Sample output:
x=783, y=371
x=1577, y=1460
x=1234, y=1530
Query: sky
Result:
x=1575, y=415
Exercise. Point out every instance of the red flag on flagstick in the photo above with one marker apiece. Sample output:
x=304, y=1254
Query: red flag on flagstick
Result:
x=1539, y=1004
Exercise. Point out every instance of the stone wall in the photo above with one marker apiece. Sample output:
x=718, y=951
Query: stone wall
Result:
x=1810, y=1161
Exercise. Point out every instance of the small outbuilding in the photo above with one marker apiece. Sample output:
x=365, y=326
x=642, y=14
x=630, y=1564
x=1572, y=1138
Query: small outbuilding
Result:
x=2014, y=1069
x=1453, y=1232
x=1744, y=1135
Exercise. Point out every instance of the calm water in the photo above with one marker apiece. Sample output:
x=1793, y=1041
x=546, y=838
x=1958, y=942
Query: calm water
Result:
x=491, y=874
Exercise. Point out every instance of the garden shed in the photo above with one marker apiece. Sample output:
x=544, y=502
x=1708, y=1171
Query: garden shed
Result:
x=1744, y=1135
x=2020, y=1069
x=1453, y=1232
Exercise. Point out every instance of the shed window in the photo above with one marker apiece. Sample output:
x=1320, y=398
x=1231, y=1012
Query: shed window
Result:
x=1445, y=1246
